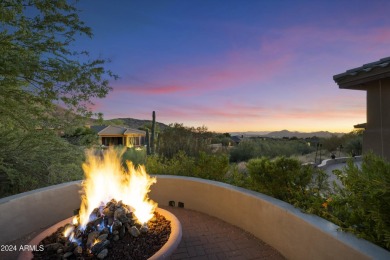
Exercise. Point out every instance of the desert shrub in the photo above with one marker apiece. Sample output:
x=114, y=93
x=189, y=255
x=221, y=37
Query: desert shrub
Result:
x=81, y=136
x=258, y=147
x=207, y=166
x=279, y=178
x=180, y=164
x=178, y=138
x=211, y=166
x=244, y=151
x=237, y=176
x=286, y=179
x=362, y=204
x=136, y=155
x=31, y=160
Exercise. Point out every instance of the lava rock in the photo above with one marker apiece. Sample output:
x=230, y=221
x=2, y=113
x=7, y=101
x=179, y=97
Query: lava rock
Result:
x=98, y=221
x=122, y=232
x=117, y=225
x=110, y=221
x=102, y=237
x=78, y=250
x=134, y=231
x=144, y=229
x=53, y=246
x=128, y=247
x=67, y=255
x=120, y=214
x=105, y=231
x=108, y=212
x=92, y=237
x=98, y=247
x=102, y=254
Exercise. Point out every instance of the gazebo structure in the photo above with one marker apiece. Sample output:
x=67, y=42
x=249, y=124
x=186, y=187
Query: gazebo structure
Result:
x=117, y=135
x=374, y=78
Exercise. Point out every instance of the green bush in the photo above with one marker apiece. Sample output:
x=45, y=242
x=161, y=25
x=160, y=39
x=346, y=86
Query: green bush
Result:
x=211, y=166
x=206, y=166
x=136, y=155
x=362, y=204
x=178, y=137
x=81, y=136
x=286, y=179
x=244, y=151
x=237, y=177
x=179, y=164
x=259, y=147
x=31, y=160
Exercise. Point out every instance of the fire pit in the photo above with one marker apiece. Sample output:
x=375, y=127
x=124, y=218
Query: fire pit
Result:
x=166, y=250
x=116, y=220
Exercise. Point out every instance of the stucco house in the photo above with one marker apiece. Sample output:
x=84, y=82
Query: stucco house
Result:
x=117, y=135
x=374, y=78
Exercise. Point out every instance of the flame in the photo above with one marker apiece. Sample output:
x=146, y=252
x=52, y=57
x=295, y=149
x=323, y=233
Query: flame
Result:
x=106, y=179
x=68, y=230
x=75, y=221
x=95, y=242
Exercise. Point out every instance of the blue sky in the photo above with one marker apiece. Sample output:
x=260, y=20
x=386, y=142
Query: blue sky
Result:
x=237, y=65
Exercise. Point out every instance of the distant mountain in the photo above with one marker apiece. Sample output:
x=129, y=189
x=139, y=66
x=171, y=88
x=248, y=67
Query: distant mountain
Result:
x=250, y=133
x=285, y=133
x=289, y=134
x=136, y=123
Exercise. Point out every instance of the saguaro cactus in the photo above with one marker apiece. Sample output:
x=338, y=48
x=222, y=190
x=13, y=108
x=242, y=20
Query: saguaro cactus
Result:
x=152, y=145
x=147, y=141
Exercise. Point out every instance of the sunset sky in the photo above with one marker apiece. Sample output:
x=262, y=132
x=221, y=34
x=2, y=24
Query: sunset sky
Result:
x=237, y=65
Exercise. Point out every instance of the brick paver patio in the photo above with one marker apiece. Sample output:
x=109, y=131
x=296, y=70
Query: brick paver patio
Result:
x=206, y=237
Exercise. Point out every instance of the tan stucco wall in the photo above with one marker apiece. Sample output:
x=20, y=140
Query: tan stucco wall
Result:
x=27, y=212
x=294, y=234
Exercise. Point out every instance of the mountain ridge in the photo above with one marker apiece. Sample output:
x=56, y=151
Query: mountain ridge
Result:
x=287, y=133
x=139, y=123
x=135, y=123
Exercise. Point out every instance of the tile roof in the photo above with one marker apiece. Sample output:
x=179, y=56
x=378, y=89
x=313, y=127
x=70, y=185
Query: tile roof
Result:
x=115, y=130
x=112, y=130
x=134, y=131
x=368, y=71
x=97, y=128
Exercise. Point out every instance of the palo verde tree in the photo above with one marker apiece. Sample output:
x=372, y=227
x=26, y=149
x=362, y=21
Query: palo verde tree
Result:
x=37, y=65
x=39, y=69
x=179, y=138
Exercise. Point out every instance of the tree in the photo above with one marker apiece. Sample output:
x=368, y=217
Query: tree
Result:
x=332, y=143
x=189, y=140
x=39, y=70
x=38, y=66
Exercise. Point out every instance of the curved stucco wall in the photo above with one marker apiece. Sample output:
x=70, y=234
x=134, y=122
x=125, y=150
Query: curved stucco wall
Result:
x=35, y=210
x=326, y=163
x=295, y=234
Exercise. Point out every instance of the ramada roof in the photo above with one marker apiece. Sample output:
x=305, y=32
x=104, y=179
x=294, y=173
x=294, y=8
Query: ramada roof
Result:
x=116, y=130
x=357, y=78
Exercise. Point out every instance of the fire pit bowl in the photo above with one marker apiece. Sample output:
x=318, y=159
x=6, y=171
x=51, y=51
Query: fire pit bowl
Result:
x=165, y=251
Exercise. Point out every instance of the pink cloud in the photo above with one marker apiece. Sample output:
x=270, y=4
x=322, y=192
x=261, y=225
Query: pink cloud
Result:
x=275, y=55
x=148, y=89
x=306, y=38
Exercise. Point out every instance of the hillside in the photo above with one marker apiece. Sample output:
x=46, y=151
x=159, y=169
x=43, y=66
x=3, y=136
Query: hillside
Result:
x=286, y=133
x=136, y=123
